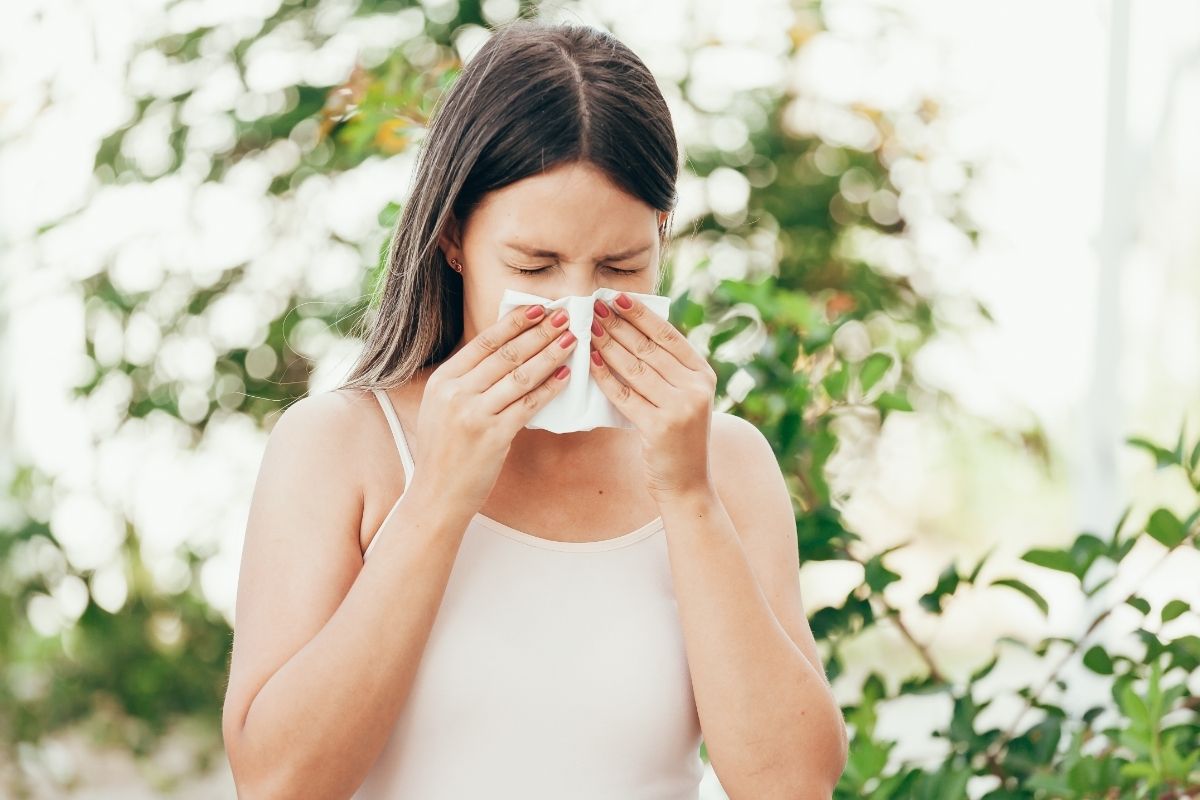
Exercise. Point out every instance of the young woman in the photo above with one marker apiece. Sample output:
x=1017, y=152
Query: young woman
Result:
x=436, y=602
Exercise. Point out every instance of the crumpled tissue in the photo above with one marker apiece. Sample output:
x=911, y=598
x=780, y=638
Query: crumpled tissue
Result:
x=582, y=405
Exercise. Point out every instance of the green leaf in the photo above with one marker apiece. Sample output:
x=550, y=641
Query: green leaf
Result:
x=1134, y=707
x=877, y=575
x=1166, y=527
x=867, y=758
x=874, y=367
x=1185, y=652
x=1173, y=609
x=1162, y=456
x=1139, y=603
x=1097, y=660
x=982, y=671
x=946, y=585
x=974, y=576
x=1060, y=560
x=893, y=401
x=835, y=383
x=1026, y=590
x=1086, y=548
x=1121, y=522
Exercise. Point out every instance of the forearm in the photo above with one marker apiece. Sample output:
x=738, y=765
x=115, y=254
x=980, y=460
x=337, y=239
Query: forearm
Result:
x=772, y=727
x=318, y=724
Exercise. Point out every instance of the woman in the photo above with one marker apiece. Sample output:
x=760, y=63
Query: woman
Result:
x=438, y=602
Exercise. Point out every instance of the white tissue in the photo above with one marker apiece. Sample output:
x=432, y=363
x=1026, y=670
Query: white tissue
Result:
x=582, y=405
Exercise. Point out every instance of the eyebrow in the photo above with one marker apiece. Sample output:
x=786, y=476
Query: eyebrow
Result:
x=539, y=253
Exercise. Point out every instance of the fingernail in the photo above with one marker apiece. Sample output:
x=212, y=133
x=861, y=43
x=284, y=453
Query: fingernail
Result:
x=559, y=319
x=596, y=358
x=597, y=328
x=566, y=339
x=533, y=312
x=601, y=309
x=623, y=301
x=562, y=372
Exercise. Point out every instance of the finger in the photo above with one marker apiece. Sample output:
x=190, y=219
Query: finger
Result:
x=515, y=352
x=491, y=339
x=641, y=346
x=523, y=409
x=636, y=408
x=530, y=373
x=632, y=370
x=658, y=330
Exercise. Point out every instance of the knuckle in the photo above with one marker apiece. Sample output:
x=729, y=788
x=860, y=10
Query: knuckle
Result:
x=487, y=342
x=646, y=347
x=519, y=377
x=509, y=353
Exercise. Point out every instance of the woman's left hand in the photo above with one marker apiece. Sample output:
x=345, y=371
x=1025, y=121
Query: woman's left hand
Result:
x=667, y=392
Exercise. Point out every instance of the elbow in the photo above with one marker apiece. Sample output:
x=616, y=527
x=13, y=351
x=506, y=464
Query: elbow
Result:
x=828, y=770
x=817, y=777
x=836, y=764
x=264, y=784
x=255, y=778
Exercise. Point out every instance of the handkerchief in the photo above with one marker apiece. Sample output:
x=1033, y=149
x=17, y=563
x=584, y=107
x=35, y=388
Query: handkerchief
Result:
x=582, y=405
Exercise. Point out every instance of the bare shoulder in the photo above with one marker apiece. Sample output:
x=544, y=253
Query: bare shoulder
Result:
x=738, y=446
x=747, y=476
x=322, y=417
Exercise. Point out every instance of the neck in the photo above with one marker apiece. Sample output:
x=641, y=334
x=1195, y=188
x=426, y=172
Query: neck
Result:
x=541, y=451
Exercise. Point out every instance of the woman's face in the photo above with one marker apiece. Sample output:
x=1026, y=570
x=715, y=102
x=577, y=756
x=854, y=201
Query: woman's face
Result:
x=575, y=228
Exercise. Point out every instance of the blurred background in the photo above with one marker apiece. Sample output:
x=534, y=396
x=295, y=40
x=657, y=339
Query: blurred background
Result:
x=945, y=255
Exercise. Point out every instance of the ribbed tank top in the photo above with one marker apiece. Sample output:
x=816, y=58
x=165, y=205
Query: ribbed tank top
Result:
x=553, y=670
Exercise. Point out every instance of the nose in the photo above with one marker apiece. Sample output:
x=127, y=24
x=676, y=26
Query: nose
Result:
x=579, y=283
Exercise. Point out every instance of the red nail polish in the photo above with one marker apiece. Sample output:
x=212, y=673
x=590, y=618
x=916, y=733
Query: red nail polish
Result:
x=597, y=358
x=562, y=372
x=623, y=301
x=601, y=309
x=597, y=328
x=533, y=312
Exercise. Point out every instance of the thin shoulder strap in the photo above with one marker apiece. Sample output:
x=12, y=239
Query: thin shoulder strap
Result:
x=389, y=411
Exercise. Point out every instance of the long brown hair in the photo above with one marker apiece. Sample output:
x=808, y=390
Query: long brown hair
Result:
x=536, y=95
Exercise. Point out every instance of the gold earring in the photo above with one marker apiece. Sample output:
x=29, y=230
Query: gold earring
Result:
x=454, y=265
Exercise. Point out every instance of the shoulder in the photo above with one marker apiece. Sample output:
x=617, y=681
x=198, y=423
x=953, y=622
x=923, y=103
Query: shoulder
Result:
x=738, y=445
x=322, y=413
x=747, y=476
x=320, y=435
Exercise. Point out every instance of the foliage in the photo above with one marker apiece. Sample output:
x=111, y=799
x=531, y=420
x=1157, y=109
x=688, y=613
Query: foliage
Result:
x=1143, y=740
x=773, y=334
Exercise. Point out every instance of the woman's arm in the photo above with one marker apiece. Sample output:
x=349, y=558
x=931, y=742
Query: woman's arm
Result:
x=326, y=647
x=772, y=726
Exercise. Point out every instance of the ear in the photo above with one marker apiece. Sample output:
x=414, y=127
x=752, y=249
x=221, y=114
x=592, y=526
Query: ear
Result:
x=450, y=240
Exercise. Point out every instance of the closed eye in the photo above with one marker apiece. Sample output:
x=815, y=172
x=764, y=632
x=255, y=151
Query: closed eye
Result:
x=543, y=269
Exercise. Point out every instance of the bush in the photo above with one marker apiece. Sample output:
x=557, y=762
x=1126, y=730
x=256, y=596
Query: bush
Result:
x=1148, y=747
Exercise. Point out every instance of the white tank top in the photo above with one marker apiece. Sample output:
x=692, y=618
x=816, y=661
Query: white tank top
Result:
x=553, y=670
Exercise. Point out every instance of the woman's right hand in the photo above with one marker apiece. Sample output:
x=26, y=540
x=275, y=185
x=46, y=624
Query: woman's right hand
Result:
x=476, y=401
